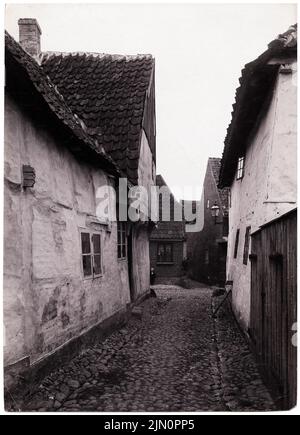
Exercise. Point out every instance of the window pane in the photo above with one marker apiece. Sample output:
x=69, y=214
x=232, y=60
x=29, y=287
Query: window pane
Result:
x=97, y=264
x=247, y=244
x=97, y=243
x=165, y=253
x=87, y=265
x=168, y=253
x=85, y=243
x=206, y=256
x=122, y=240
x=119, y=233
x=241, y=166
x=237, y=238
x=161, y=252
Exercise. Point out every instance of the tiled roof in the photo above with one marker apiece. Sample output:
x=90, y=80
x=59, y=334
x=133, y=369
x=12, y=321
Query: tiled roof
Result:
x=215, y=164
x=52, y=97
x=171, y=231
x=257, y=79
x=108, y=92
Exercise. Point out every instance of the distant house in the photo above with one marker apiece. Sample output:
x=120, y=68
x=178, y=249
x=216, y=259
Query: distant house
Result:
x=168, y=240
x=208, y=248
x=259, y=166
x=74, y=123
x=191, y=240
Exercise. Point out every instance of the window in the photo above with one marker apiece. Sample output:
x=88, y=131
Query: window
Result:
x=122, y=240
x=241, y=168
x=236, y=247
x=247, y=244
x=206, y=258
x=165, y=253
x=208, y=204
x=229, y=198
x=91, y=254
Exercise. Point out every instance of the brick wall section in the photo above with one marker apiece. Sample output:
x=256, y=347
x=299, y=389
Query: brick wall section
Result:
x=30, y=35
x=171, y=231
x=168, y=271
x=208, y=239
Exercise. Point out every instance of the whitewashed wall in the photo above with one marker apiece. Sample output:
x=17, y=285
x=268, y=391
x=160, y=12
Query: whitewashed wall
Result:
x=268, y=189
x=42, y=271
x=141, y=245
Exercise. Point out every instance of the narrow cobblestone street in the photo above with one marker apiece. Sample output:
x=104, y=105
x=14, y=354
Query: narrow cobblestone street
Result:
x=175, y=358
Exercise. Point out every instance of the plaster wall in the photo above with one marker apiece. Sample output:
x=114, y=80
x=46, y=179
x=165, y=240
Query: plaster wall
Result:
x=269, y=187
x=46, y=300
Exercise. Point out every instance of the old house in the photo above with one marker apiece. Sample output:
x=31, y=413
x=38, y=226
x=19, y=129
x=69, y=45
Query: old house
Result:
x=168, y=240
x=259, y=167
x=208, y=247
x=190, y=207
x=74, y=123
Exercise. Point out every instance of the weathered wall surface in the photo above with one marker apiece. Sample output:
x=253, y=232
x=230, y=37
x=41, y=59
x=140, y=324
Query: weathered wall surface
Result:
x=141, y=263
x=268, y=189
x=206, y=263
x=42, y=271
x=146, y=171
x=141, y=258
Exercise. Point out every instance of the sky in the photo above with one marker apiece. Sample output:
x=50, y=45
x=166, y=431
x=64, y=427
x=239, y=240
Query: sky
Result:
x=200, y=50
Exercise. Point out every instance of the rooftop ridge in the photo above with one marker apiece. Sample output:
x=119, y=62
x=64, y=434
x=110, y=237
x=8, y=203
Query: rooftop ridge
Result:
x=127, y=57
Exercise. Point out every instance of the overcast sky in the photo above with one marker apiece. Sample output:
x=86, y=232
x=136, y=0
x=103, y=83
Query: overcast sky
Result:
x=199, y=50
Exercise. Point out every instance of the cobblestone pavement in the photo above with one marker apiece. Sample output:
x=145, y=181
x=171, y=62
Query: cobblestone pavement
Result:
x=175, y=358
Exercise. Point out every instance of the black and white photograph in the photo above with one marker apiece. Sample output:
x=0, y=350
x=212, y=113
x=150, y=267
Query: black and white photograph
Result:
x=149, y=211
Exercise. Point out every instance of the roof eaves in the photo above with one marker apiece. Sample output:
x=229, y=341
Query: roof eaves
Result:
x=53, y=98
x=284, y=44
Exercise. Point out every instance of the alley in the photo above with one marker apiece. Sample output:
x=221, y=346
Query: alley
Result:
x=175, y=358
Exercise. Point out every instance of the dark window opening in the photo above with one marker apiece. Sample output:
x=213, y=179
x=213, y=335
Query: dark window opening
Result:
x=241, y=168
x=236, y=247
x=206, y=258
x=247, y=245
x=91, y=254
x=122, y=240
x=165, y=253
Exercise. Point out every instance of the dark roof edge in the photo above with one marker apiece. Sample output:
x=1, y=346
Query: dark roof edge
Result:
x=48, y=91
x=284, y=45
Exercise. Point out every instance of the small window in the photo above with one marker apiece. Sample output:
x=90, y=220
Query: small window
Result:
x=236, y=247
x=247, y=244
x=165, y=253
x=91, y=254
x=206, y=259
x=97, y=270
x=208, y=204
x=122, y=240
x=241, y=168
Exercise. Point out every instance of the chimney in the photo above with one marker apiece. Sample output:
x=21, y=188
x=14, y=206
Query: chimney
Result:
x=30, y=35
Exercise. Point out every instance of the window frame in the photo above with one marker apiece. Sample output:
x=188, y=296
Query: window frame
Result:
x=121, y=242
x=236, y=244
x=241, y=168
x=247, y=245
x=229, y=198
x=159, y=244
x=91, y=253
x=206, y=257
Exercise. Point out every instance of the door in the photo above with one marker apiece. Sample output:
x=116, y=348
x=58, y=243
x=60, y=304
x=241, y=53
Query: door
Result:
x=274, y=305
